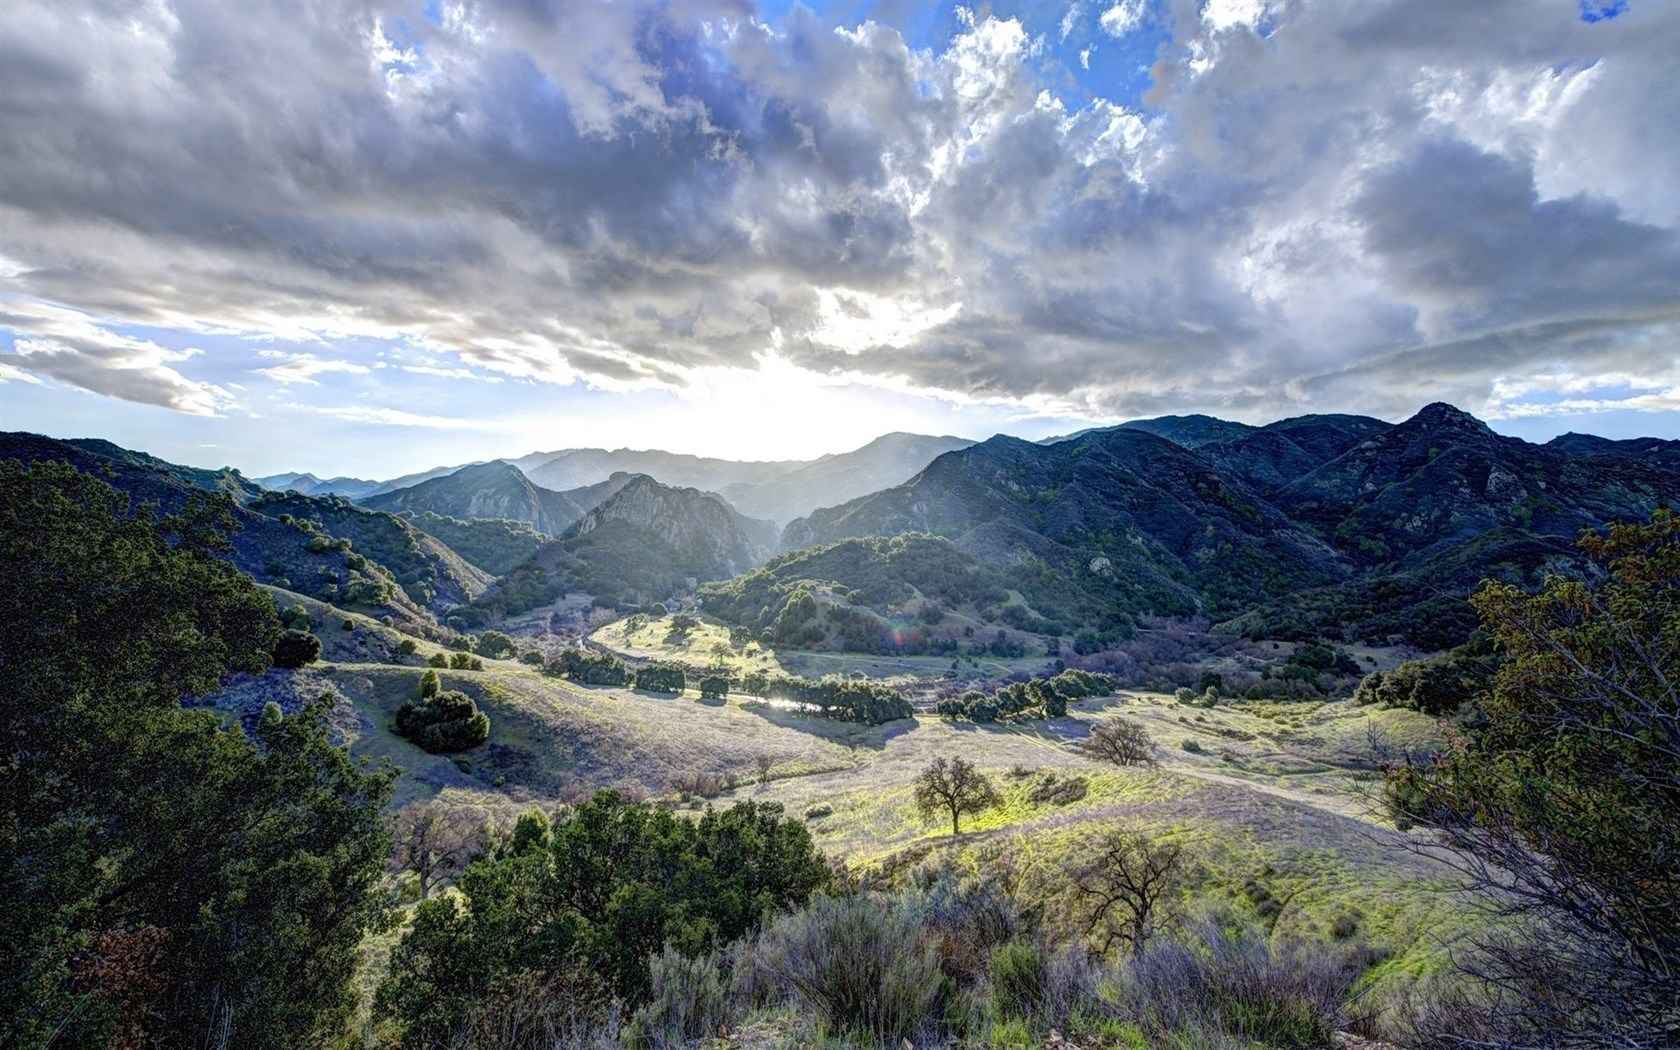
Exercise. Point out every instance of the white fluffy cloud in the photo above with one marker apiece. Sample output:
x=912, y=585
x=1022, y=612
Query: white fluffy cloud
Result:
x=1321, y=204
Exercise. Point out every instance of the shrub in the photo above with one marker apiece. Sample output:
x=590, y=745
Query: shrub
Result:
x=661, y=678
x=407, y=647
x=494, y=645
x=1192, y=745
x=689, y=999
x=1017, y=979
x=860, y=964
x=714, y=687
x=437, y=660
x=590, y=668
x=429, y=685
x=532, y=657
x=296, y=648
x=448, y=721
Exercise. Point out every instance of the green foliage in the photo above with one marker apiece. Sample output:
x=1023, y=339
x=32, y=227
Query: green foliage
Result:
x=437, y=660
x=1018, y=979
x=1437, y=685
x=661, y=678
x=845, y=699
x=495, y=545
x=714, y=687
x=591, y=668
x=1044, y=697
x=613, y=883
x=494, y=645
x=443, y=722
x=429, y=685
x=1566, y=786
x=407, y=647
x=168, y=881
x=296, y=649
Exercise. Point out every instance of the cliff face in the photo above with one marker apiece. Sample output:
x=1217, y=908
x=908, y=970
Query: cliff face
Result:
x=700, y=525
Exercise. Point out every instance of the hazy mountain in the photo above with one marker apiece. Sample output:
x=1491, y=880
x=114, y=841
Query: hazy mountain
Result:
x=578, y=467
x=310, y=485
x=486, y=490
x=1656, y=450
x=888, y=460
x=588, y=497
x=645, y=542
x=324, y=547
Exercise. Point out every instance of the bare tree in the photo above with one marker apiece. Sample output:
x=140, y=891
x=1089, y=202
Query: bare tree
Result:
x=435, y=842
x=955, y=787
x=1125, y=891
x=1122, y=742
x=763, y=763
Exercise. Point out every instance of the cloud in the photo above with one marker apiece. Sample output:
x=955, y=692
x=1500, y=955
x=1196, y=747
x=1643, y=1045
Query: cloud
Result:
x=1123, y=17
x=303, y=368
x=67, y=346
x=1312, y=202
x=395, y=417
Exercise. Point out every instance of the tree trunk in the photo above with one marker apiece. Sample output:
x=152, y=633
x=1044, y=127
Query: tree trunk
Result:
x=955, y=831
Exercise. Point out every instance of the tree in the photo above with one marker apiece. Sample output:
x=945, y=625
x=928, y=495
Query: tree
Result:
x=1124, y=890
x=714, y=687
x=1120, y=741
x=430, y=684
x=609, y=884
x=494, y=645
x=446, y=722
x=296, y=649
x=953, y=786
x=1558, y=804
x=434, y=842
x=437, y=660
x=168, y=881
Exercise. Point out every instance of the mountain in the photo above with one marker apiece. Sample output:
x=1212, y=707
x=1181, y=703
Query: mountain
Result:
x=1095, y=529
x=645, y=542
x=1318, y=525
x=888, y=460
x=327, y=548
x=1656, y=450
x=588, y=497
x=495, y=545
x=310, y=485
x=578, y=467
x=486, y=490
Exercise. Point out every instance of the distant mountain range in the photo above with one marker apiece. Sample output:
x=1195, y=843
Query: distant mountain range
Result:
x=778, y=490
x=1314, y=525
x=1317, y=526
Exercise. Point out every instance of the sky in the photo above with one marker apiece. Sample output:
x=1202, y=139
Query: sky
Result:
x=367, y=237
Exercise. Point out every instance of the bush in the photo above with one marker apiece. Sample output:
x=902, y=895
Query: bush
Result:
x=1017, y=979
x=429, y=685
x=689, y=1000
x=860, y=964
x=437, y=660
x=407, y=647
x=448, y=721
x=494, y=645
x=661, y=678
x=590, y=668
x=296, y=649
x=1191, y=745
x=714, y=687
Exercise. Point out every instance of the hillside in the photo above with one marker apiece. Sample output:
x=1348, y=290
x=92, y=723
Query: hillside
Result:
x=484, y=490
x=495, y=545
x=1336, y=525
x=326, y=548
x=644, y=543
x=888, y=460
x=1118, y=520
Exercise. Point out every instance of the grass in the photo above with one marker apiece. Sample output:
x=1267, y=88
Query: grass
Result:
x=708, y=643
